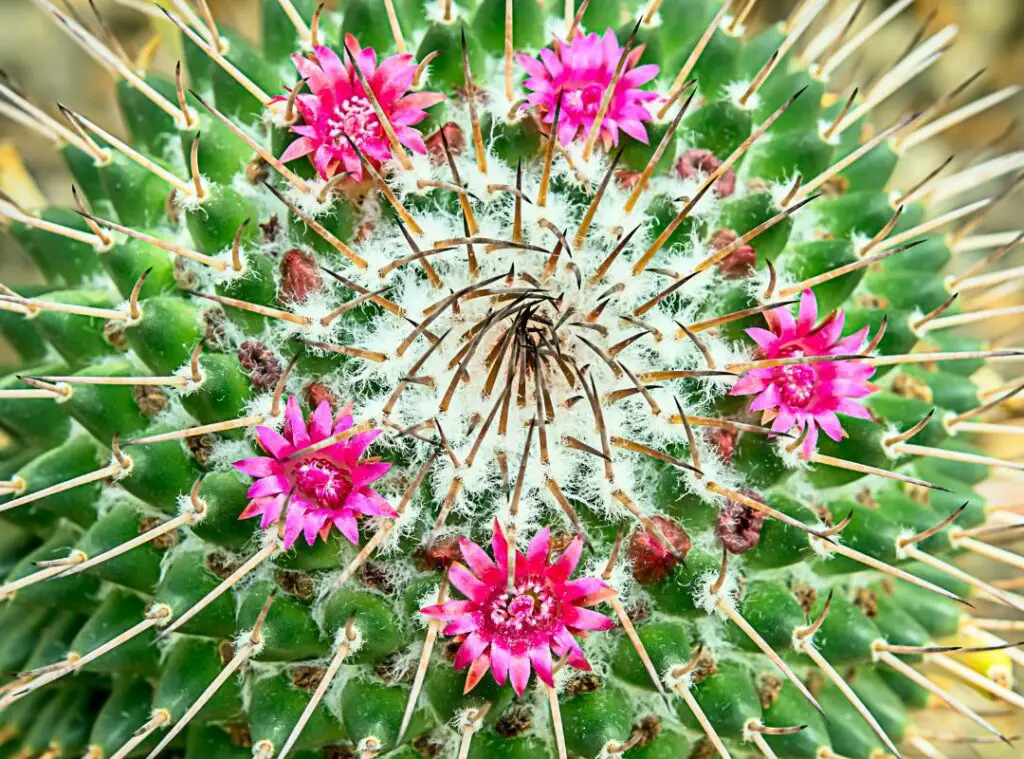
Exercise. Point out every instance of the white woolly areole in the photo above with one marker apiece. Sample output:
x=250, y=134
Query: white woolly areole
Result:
x=704, y=596
x=465, y=719
x=354, y=643
x=673, y=680
x=734, y=91
x=191, y=384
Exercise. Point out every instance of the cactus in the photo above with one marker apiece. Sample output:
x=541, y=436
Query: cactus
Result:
x=718, y=462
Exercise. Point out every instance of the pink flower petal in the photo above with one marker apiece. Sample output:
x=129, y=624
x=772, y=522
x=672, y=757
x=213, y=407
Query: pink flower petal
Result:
x=540, y=656
x=320, y=423
x=808, y=314
x=467, y=584
x=256, y=466
x=585, y=619
x=501, y=659
x=562, y=569
x=273, y=443
x=538, y=550
x=348, y=526
x=519, y=673
x=269, y=486
x=471, y=649
x=479, y=561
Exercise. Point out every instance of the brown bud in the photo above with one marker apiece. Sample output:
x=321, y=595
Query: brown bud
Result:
x=585, y=682
x=516, y=720
x=201, y=448
x=315, y=394
x=298, y=584
x=704, y=161
x=114, y=333
x=239, y=734
x=769, y=687
x=430, y=745
x=739, y=526
x=805, y=596
x=163, y=542
x=373, y=575
x=652, y=561
x=257, y=171
x=150, y=399
x=307, y=677
x=300, y=276
x=222, y=565
x=456, y=142
x=438, y=555
x=185, y=275
x=645, y=730
x=215, y=332
x=866, y=600
x=738, y=264
x=260, y=363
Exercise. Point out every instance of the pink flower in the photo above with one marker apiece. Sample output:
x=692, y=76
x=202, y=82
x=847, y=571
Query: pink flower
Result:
x=322, y=488
x=510, y=632
x=338, y=106
x=807, y=396
x=582, y=70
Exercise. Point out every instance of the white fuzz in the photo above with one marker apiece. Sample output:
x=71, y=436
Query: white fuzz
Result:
x=354, y=643
x=579, y=474
x=466, y=719
x=735, y=90
x=703, y=595
x=191, y=202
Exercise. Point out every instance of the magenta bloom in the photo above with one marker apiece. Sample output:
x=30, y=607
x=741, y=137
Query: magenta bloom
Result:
x=338, y=106
x=510, y=632
x=582, y=70
x=807, y=396
x=322, y=488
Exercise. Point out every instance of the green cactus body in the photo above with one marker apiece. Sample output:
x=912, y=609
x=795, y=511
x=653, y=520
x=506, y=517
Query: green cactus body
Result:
x=545, y=326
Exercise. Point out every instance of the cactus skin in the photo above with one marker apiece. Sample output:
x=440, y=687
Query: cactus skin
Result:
x=261, y=238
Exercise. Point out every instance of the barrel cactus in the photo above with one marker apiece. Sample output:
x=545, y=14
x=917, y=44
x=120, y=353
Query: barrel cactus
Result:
x=502, y=378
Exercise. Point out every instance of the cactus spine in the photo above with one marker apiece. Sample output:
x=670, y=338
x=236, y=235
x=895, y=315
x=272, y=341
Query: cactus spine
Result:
x=461, y=299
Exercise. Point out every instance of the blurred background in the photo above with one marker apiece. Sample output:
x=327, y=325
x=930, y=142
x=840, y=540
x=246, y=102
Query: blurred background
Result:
x=42, y=61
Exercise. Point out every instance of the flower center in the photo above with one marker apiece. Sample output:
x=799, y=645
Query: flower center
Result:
x=529, y=608
x=795, y=382
x=584, y=102
x=354, y=117
x=322, y=481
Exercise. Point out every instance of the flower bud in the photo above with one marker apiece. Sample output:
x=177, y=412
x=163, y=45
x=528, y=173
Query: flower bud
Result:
x=651, y=559
x=704, y=161
x=300, y=276
x=739, y=526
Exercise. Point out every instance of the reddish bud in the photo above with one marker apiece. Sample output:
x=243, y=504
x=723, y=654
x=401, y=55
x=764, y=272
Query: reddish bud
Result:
x=456, y=143
x=626, y=179
x=739, y=526
x=300, y=276
x=724, y=442
x=440, y=554
x=260, y=363
x=704, y=161
x=652, y=562
x=315, y=394
x=741, y=262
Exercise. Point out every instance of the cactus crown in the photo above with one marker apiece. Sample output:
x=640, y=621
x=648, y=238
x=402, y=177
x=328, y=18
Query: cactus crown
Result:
x=595, y=391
